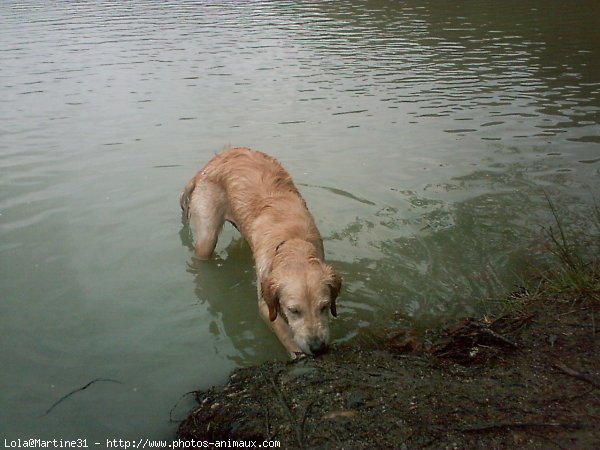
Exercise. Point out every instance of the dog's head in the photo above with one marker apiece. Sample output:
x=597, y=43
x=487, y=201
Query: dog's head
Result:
x=303, y=291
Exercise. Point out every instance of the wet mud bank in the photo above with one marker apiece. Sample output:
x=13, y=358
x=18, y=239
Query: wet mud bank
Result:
x=529, y=379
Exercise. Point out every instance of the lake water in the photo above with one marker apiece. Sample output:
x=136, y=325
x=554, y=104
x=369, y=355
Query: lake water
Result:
x=422, y=134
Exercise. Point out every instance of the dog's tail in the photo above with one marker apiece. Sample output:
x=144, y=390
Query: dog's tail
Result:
x=186, y=196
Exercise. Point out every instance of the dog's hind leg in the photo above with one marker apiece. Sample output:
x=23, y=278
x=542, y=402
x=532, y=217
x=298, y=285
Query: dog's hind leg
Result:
x=206, y=212
x=186, y=196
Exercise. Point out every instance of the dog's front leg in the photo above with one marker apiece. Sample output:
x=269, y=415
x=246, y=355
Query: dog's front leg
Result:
x=282, y=331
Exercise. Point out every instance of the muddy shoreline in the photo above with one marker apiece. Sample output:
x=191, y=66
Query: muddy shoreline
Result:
x=528, y=379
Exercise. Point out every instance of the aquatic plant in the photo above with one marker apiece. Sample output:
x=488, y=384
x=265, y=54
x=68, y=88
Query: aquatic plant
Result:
x=578, y=270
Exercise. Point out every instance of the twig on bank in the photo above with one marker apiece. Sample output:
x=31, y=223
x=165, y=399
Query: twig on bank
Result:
x=288, y=412
x=497, y=338
x=576, y=374
x=305, y=416
x=268, y=435
x=520, y=425
x=547, y=439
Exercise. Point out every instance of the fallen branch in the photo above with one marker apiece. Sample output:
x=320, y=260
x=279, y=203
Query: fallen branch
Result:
x=465, y=340
x=575, y=374
x=288, y=412
x=514, y=323
x=497, y=338
x=519, y=425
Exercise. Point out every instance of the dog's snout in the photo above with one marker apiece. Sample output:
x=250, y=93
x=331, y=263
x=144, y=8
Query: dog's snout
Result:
x=317, y=347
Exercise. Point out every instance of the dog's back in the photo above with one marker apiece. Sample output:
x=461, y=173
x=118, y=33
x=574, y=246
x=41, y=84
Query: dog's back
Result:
x=255, y=193
x=255, y=175
x=261, y=196
x=239, y=169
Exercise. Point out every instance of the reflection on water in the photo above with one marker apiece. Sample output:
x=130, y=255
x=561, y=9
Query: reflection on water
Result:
x=227, y=286
x=422, y=135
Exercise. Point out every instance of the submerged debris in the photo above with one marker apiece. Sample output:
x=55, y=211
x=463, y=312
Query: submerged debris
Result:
x=471, y=340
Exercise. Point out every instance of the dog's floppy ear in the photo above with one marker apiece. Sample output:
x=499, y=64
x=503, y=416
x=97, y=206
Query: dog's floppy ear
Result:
x=335, y=285
x=269, y=291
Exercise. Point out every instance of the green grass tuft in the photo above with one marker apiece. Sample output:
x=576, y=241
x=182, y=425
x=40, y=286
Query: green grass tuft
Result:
x=578, y=270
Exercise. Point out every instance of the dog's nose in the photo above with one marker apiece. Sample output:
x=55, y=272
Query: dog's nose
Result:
x=317, y=347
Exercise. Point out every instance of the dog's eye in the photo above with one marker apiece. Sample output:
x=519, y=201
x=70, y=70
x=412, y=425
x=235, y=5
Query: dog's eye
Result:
x=324, y=309
x=294, y=311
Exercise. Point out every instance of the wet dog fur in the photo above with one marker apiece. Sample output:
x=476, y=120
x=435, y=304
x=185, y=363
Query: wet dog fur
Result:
x=296, y=288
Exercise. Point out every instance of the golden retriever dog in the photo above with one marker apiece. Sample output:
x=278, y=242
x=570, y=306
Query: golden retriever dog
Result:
x=296, y=288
